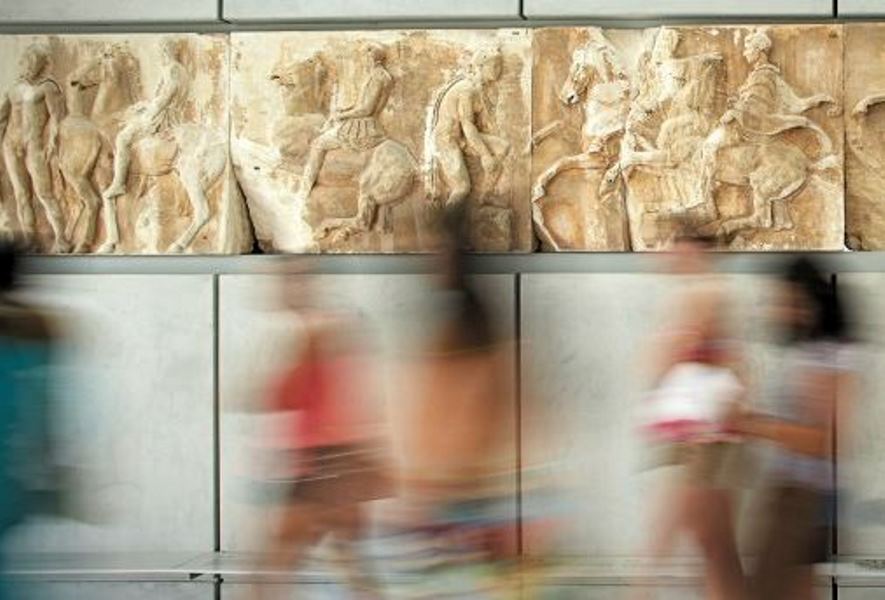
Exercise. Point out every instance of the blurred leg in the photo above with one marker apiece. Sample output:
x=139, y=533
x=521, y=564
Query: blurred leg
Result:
x=711, y=523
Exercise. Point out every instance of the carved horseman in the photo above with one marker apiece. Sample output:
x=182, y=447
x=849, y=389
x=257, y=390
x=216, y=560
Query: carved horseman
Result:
x=355, y=128
x=148, y=117
x=765, y=106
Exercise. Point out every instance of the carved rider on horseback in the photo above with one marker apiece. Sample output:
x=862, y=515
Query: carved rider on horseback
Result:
x=765, y=106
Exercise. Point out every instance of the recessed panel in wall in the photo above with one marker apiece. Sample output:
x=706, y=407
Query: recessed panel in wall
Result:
x=107, y=11
x=676, y=8
x=587, y=344
x=115, y=591
x=365, y=10
x=860, y=420
x=259, y=339
x=133, y=408
x=861, y=8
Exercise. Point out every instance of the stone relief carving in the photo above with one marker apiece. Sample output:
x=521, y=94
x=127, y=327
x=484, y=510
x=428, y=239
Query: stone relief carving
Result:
x=710, y=125
x=865, y=134
x=357, y=141
x=154, y=166
x=348, y=142
x=30, y=115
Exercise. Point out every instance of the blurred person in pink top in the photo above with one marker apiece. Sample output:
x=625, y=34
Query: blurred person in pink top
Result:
x=328, y=436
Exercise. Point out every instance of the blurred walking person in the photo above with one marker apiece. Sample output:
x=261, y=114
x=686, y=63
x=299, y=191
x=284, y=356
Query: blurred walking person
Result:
x=27, y=481
x=456, y=472
x=329, y=434
x=819, y=369
x=695, y=367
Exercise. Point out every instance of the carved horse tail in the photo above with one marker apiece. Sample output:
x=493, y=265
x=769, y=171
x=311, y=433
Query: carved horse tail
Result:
x=430, y=171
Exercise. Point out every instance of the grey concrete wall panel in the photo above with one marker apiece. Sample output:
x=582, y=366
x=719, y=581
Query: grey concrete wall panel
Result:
x=134, y=397
x=676, y=8
x=861, y=593
x=115, y=591
x=861, y=445
x=668, y=592
x=366, y=10
x=256, y=340
x=585, y=338
x=107, y=11
x=861, y=8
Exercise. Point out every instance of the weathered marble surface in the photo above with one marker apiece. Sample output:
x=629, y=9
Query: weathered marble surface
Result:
x=343, y=142
x=352, y=141
x=865, y=134
x=118, y=143
x=724, y=126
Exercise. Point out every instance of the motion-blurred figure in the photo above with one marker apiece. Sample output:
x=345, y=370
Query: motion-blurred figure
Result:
x=25, y=452
x=330, y=450
x=818, y=372
x=694, y=370
x=456, y=475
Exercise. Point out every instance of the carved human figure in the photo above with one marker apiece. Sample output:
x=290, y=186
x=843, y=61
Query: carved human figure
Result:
x=764, y=107
x=149, y=116
x=681, y=92
x=33, y=106
x=667, y=85
x=455, y=130
x=356, y=127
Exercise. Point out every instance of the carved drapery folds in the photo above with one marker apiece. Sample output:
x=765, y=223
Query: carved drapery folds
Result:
x=581, y=138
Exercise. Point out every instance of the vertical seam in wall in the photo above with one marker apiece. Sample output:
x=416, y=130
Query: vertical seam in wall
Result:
x=834, y=449
x=216, y=421
x=517, y=316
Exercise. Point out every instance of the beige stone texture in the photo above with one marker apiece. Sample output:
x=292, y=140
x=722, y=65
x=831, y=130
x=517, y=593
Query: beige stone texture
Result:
x=119, y=143
x=355, y=141
x=865, y=135
x=731, y=131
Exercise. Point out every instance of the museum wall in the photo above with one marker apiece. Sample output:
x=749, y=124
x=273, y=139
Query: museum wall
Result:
x=332, y=134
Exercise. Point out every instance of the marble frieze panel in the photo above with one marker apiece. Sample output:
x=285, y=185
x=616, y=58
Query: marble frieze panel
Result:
x=570, y=138
x=865, y=135
x=357, y=141
x=118, y=143
x=735, y=131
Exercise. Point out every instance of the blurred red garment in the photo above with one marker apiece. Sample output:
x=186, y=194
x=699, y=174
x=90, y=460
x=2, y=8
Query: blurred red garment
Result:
x=328, y=395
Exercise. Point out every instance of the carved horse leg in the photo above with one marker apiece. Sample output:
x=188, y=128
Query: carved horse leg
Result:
x=191, y=178
x=90, y=202
x=584, y=162
x=112, y=231
x=765, y=214
x=541, y=227
x=344, y=227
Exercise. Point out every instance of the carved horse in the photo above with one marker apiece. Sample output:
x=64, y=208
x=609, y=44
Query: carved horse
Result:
x=385, y=174
x=774, y=172
x=596, y=77
x=772, y=169
x=195, y=154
